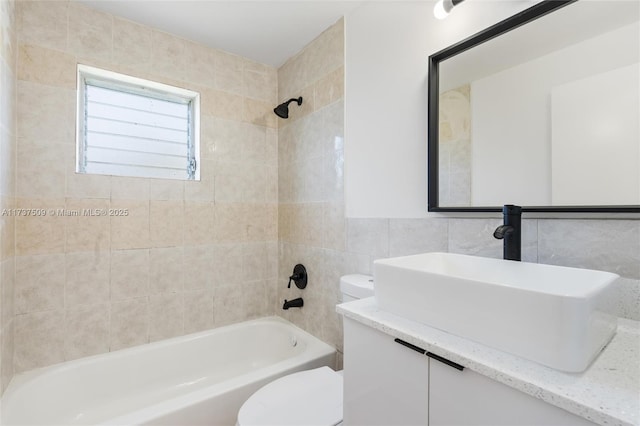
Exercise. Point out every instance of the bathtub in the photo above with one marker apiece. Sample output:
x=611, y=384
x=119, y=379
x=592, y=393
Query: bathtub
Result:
x=199, y=379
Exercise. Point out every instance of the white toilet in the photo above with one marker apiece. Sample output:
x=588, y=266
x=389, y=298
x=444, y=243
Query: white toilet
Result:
x=312, y=397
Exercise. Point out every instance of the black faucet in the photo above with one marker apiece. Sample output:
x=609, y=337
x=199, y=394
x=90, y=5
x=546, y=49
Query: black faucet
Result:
x=510, y=232
x=295, y=303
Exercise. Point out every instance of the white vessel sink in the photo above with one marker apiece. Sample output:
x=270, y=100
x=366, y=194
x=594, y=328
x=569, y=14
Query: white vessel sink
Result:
x=552, y=315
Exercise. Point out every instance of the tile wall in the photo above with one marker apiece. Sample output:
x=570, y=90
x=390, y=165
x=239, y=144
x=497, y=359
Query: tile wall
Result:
x=455, y=147
x=607, y=245
x=7, y=186
x=177, y=263
x=312, y=226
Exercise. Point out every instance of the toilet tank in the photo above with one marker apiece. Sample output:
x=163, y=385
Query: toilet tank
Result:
x=356, y=286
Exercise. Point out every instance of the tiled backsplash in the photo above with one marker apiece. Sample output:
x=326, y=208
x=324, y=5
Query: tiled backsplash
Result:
x=566, y=242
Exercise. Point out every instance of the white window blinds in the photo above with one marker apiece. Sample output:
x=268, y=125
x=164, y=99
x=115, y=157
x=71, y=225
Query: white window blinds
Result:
x=140, y=129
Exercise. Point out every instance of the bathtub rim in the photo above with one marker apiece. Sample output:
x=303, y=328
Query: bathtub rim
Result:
x=264, y=374
x=315, y=346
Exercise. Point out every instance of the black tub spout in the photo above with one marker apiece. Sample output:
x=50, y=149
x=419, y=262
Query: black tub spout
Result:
x=295, y=303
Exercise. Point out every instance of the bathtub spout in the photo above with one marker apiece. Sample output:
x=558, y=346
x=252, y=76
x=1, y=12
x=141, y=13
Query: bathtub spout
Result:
x=295, y=303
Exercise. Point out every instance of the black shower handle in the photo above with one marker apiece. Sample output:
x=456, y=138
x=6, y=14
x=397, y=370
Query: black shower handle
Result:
x=299, y=276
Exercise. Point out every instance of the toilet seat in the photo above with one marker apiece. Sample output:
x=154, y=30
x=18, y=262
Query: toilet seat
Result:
x=312, y=397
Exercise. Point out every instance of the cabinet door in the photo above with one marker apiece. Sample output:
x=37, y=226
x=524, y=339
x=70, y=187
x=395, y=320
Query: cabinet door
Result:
x=468, y=398
x=385, y=383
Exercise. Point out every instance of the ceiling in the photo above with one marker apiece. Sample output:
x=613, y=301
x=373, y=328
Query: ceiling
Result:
x=266, y=31
x=584, y=19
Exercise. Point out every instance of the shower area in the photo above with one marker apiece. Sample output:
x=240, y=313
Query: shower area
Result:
x=187, y=256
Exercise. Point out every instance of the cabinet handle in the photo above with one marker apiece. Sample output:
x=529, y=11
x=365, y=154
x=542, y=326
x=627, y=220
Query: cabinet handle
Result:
x=429, y=354
x=410, y=346
x=445, y=361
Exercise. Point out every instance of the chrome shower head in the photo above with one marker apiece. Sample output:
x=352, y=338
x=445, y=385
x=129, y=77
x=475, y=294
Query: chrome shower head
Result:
x=282, y=110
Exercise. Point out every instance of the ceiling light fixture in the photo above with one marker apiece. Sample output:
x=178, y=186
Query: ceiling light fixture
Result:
x=444, y=7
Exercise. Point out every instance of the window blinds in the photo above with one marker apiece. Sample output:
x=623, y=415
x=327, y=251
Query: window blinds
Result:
x=130, y=134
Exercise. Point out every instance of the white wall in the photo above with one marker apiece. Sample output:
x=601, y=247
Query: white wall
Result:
x=387, y=45
x=511, y=120
x=595, y=134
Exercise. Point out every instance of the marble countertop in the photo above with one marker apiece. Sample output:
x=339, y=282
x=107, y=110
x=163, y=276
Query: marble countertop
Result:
x=607, y=393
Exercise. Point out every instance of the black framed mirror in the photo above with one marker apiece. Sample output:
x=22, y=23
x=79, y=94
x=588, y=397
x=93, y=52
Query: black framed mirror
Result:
x=539, y=110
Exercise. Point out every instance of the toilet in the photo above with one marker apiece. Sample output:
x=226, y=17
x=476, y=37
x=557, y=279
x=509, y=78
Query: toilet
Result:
x=312, y=397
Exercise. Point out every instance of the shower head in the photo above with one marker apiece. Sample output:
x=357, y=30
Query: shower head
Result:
x=282, y=110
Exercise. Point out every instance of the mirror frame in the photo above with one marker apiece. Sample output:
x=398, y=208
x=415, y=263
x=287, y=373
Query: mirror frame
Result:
x=528, y=15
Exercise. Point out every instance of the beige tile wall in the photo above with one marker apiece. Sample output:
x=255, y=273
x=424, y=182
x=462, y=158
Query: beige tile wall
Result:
x=455, y=147
x=178, y=262
x=310, y=182
x=7, y=186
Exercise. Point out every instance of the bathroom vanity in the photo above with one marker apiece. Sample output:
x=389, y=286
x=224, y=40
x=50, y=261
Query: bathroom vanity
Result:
x=401, y=372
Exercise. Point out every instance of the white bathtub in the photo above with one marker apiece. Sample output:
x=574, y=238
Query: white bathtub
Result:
x=199, y=379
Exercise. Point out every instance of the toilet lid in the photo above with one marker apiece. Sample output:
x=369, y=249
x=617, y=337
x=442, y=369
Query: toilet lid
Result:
x=312, y=397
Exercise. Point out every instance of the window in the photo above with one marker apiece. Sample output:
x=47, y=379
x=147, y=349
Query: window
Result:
x=128, y=126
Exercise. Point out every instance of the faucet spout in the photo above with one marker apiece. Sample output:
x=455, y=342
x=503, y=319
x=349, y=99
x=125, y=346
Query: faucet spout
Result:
x=510, y=232
x=503, y=231
x=295, y=303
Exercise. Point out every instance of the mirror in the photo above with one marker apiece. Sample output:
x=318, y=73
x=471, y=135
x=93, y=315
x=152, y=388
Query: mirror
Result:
x=541, y=110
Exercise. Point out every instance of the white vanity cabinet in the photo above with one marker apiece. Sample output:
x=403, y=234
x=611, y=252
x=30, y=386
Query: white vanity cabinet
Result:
x=467, y=398
x=384, y=383
x=389, y=382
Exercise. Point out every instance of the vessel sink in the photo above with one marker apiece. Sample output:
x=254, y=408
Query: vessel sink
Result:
x=556, y=316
